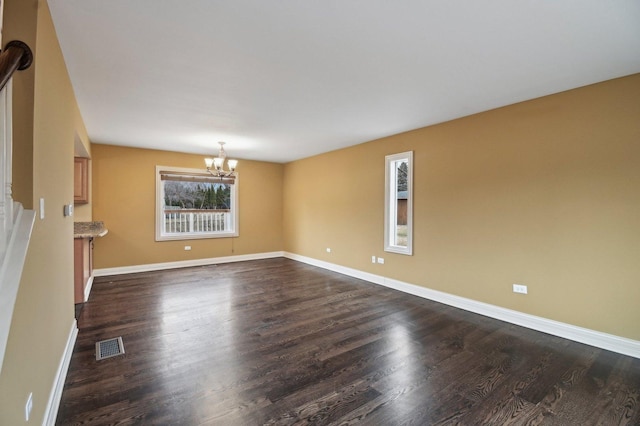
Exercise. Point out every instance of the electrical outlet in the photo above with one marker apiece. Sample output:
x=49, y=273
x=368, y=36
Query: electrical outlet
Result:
x=187, y=248
x=520, y=288
x=373, y=259
x=381, y=260
x=28, y=406
x=328, y=250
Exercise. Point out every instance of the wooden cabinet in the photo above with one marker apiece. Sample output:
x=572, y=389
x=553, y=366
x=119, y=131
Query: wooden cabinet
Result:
x=83, y=266
x=81, y=180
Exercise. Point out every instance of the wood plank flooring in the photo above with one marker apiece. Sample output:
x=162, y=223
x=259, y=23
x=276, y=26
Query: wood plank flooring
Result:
x=277, y=342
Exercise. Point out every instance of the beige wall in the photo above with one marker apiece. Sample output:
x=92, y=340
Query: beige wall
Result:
x=19, y=23
x=124, y=198
x=82, y=148
x=44, y=313
x=544, y=193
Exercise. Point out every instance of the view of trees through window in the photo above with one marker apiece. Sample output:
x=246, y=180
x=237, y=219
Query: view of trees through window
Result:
x=398, y=203
x=197, y=195
x=192, y=205
x=403, y=169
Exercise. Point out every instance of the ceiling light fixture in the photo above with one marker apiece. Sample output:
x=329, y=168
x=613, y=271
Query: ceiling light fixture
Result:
x=215, y=166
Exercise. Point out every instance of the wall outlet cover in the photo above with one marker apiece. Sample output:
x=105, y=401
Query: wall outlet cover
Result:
x=520, y=288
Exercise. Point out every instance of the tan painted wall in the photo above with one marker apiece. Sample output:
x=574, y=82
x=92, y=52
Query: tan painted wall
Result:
x=83, y=212
x=44, y=313
x=20, y=22
x=82, y=148
x=124, y=198
x=544, y=193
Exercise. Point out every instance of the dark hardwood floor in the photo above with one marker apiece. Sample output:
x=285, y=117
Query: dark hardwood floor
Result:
x=277, y=342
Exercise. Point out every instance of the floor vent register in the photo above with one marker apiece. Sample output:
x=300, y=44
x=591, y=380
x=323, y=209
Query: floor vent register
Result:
x=109, y=348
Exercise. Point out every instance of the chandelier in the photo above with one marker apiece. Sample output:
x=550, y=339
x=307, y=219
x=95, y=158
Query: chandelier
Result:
x=215, y=166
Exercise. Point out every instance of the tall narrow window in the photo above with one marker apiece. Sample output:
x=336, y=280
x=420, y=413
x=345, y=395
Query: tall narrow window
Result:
x=398, y=217
x=192, y=204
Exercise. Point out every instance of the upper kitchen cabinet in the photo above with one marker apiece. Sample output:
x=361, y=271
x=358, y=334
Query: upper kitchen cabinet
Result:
x=81, y=180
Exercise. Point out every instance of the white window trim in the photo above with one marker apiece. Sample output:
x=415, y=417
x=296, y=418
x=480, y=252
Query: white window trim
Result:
x=192, y=236
x=390, y=204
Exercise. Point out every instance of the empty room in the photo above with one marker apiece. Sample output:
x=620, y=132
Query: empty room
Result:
x=327, y=213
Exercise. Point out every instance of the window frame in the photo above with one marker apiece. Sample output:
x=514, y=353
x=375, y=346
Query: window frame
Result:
x=391, y=203
x=159, y=207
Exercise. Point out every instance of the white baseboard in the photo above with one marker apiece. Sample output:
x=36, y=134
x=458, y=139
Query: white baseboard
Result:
x=184, y=264
x=578, y=334
x=356, y=273
x=51, y=412
x=87, y=288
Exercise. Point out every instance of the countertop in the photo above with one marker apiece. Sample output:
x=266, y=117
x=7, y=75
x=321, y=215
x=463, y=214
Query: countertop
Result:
x=89, y=229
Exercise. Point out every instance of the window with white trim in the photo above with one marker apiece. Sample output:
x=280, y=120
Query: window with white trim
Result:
x=192, y=204
x=398, y=211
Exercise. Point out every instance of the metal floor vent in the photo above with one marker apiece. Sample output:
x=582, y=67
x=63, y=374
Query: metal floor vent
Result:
x=108, y=348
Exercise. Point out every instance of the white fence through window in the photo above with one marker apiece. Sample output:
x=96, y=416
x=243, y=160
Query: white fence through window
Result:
x=196, y=221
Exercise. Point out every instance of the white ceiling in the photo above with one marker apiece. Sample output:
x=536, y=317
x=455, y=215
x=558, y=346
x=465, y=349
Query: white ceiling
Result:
x=286, y=79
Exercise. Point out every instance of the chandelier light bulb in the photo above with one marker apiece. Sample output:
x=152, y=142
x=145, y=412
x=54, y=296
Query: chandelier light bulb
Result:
x=215, y=166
